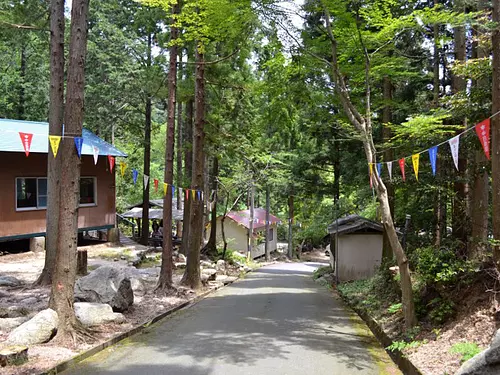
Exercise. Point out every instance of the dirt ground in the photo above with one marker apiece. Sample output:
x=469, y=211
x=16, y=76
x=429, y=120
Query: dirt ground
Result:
x=26, y=300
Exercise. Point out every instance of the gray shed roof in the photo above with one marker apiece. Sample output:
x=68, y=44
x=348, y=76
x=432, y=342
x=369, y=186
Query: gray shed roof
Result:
x=10, y=141
x=154, y=214
x=354, y=223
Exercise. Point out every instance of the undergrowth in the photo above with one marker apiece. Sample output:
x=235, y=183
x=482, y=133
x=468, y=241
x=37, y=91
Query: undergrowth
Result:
x=466, y=349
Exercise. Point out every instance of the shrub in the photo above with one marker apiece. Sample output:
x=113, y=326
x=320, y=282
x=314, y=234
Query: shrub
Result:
x=397, y=307
x=441, y=310
x=321, y=271
x=466, y=349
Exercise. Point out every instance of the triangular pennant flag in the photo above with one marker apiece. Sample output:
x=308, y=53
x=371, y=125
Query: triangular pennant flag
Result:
x=202, y=196
x=123, y=166
x=199, y=195
x=454, y=146
x=26, y=139
x=79, y=145
x=389, y=168
x=54, y=140
x=156, y=182
x=379, y=169
x=186, y=192
x=402, y=167
x=483, y=132
x=135, y=174
x=433, y=151
x=146, y=181
x=95, y=150
x=111, y=160
x=415, y=160
x=193, y=193
x=370, y=172
x=165, y=186
x=173, y=191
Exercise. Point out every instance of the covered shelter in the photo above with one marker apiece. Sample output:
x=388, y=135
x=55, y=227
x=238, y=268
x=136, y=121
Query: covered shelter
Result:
x=356, y=247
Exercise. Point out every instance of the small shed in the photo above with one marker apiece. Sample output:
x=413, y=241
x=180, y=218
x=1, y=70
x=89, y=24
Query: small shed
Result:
x=359, y=244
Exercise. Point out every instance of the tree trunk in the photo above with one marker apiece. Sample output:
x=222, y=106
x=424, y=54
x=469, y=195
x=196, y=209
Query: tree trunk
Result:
x=211, y=247
x=192, y=274
x=178, y=230
x=147, y=154
x=62, y=294
x=188, y=170
x=251, y=223
x=268, y=208
x=290, y=225
x=56, y=113
x=165, y=279
x=22, y=77
x=387, y=253
x=495, y=133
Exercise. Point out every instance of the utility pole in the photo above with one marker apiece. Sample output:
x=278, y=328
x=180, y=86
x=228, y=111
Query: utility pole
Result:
x=268, y=206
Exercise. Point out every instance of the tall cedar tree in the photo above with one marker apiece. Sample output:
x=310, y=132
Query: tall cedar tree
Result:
x=495, y=130
x=56, y=113
x=62, y=296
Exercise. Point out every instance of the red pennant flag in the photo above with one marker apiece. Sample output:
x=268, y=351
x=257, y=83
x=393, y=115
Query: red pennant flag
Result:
x=402, y=166
x=26, y=140
x=156, y=182
x=186, y=191
x=111, y=160
x=483, y=132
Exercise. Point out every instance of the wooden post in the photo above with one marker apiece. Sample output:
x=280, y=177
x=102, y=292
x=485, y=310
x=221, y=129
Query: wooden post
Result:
x=81, y=262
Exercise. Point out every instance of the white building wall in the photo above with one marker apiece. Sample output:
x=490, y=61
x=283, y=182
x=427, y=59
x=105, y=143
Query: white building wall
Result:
x=360, y=255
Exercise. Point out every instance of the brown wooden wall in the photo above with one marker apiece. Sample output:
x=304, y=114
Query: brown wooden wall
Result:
x=18, y=223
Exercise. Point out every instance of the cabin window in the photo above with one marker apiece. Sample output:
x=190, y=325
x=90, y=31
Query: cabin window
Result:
x=88, y=191
x=31, y=193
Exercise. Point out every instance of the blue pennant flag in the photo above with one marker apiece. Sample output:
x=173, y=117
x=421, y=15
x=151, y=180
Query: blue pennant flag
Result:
x=199, y=194
x=173, y=191
x=379, y=169
x=135, y=174
x=79, y=145
x=433, y=157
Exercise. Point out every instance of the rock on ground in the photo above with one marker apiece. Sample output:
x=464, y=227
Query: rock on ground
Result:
x=9, y=281
x=8, y=324
x=37, y=330
x=485, y=363
x=93, y=314
x=106, y=285
x=13, y=355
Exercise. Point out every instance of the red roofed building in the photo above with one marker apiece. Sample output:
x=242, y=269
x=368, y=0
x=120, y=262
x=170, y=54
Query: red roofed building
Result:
x=237, y=228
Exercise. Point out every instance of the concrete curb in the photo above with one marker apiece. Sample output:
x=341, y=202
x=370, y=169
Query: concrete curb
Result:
x=404, y=364
x=96, y=349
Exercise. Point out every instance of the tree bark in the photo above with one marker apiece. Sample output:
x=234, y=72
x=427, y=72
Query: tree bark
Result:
x=165, y=279
x=211, y=247
x=188, y=170
x=62, y=294
x=22, y=75
x=56, y=113
x=387, y=253
x=192, y=275
x=268, y=208
x=147, y=152
x=290, y=226
x=251, y=223
x=495, y=133
x=178, y=231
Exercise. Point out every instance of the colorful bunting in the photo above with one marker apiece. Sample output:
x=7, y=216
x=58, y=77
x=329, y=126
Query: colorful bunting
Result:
x=54, y=141
x=370, y=172
x=123, y=166
x=454, y=146
x=193, y=194
x=79, y=145
x=135, y=174
x=402, y=167
x=415, y=160
x=379, y=169
x=389, y=168
x=111, y=160
x=483, y=132
x=96, y=154
x=26, y=139
x=156, y=182
x=186, y=192
x=199, y=194
x=173, y=191
x=165, y=186
x=146, y=181
x=433, y=158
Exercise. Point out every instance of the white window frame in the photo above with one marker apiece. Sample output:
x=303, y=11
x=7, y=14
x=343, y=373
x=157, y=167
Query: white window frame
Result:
x=38, y=208
x=95, y=192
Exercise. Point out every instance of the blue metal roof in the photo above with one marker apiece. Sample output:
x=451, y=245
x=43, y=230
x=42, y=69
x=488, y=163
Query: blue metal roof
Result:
x=11, y=142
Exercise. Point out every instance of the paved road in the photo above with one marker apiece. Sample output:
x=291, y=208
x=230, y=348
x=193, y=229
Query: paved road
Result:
x=275, y=321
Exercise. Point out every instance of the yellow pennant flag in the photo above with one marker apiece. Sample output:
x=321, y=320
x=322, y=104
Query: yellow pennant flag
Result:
x=415, y=159
x=371, y=168
x=165, y=187
x=123, y=166
x=193, y=193
x=54, y=143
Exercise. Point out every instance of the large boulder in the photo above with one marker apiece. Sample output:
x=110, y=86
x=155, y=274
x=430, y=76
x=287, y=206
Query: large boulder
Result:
x=9, y=281
x=221, y=266
x=93, y=314
x=108, y=285
x=37, y=330
x=8, y=324
x=485, y=363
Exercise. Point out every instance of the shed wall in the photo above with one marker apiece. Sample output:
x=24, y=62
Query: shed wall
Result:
x=360, y=255
x=19, y=223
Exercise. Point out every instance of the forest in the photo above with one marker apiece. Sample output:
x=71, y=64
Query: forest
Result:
x=321, y=108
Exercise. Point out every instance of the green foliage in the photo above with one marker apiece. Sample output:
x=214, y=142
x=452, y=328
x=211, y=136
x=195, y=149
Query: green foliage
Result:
x=441, y=310
x=321, y=271
x=405, y=345
x=466, y=349
x=397, y=307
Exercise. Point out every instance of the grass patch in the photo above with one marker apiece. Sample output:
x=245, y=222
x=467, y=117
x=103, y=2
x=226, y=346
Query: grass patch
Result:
x=321, y=271
x=466, y=349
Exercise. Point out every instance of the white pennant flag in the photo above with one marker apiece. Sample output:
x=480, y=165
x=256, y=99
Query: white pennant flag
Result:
x=96, y=154
x=389, y=167
x=146, y=180
x=454, y=145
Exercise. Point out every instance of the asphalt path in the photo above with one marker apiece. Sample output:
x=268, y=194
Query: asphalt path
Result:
x=275, y=321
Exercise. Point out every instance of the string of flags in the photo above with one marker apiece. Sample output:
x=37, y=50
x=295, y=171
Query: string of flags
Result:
x=482, y=130
x=55, y=140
